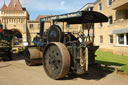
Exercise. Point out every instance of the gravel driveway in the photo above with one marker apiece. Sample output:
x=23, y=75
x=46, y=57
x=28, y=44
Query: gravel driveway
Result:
x=17, y=73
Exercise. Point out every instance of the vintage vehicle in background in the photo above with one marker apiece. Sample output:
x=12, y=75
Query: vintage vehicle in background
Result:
x=61, y=52
x=7, y=48
x=5, y=43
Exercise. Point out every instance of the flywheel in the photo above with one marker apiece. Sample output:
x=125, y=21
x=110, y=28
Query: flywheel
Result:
x=54, y=34
x=56, y=60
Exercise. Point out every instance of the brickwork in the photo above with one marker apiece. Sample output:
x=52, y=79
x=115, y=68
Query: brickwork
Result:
x=119, y=12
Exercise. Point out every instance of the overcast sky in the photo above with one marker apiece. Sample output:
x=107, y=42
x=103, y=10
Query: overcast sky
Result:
x=48, y=7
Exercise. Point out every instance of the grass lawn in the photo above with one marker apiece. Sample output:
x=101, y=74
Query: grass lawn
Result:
x=108, y=58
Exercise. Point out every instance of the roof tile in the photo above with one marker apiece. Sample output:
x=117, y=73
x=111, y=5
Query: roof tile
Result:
x=15, y=5
x=4, y=7
x=42, y=16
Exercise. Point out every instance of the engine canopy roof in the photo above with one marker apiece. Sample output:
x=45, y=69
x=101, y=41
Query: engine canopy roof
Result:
x=80, y=17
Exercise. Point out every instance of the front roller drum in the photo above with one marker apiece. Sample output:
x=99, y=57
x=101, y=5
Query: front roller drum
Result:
x=56, y=60
x=32, y=56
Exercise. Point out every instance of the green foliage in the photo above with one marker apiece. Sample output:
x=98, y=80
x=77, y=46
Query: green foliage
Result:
x=108, y=58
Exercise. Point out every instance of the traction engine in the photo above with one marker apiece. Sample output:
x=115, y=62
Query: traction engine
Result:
x=62, y=52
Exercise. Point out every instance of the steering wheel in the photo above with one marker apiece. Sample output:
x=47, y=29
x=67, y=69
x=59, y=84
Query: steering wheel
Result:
x=81, y=36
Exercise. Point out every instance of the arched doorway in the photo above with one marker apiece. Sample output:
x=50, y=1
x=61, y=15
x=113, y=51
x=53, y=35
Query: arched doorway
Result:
x=17, y=38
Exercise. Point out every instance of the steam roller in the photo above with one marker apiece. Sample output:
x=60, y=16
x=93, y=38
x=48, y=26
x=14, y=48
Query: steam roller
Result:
x=63, y=52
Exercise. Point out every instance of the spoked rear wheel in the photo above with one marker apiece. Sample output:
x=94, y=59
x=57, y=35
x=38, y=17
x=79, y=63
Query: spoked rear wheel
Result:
x=56, y=60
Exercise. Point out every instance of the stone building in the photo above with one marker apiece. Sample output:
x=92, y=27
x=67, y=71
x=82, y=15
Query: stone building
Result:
x=113, y=35
x=14, y=17
x=33, y=27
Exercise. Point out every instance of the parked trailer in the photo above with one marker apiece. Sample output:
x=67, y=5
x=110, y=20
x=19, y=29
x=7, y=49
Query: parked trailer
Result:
x=62, y=52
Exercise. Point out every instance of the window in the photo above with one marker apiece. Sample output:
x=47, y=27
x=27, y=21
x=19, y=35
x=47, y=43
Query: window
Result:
x=15, y=4
x=127, y=38
x=100, y=25
x=111, y=38
x=90, y=9
x=100, y=7
x=101, y=39
x=39, y=26
x=109, y=3
x=122, y=39
x=31, y=26
x=67, y=25
x=110, y=20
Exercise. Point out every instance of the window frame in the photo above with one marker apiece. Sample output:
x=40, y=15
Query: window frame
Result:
x=125, y=39
x=110, y=20
x=100, y=25
x=68, y=26
x=38, y=26
x=101, y=39
x=108, y=3
x=100, y=7
x=31, y=26
x=111, y=37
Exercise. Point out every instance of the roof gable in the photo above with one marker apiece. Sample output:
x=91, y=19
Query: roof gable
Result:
x=15, y=5
x=4, y=7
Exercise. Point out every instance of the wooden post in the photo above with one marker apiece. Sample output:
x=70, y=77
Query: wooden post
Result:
x=81, y=58
x=63, y=26
x=86, y=59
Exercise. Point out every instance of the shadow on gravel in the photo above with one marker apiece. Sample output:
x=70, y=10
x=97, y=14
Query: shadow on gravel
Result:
x=17, y=56
x=3, y=66
x=94, y=73
x=109, y=63
x=97, y=72
x=11, y=57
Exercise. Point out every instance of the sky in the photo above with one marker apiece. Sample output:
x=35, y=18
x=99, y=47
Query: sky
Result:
x=50, y=7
